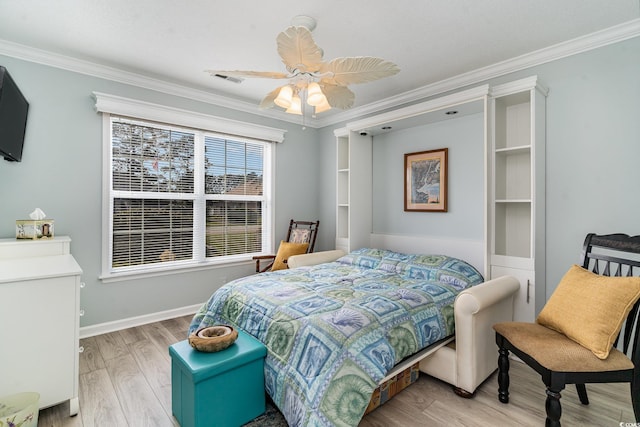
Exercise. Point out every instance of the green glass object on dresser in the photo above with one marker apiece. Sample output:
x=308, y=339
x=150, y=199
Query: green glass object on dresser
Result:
x=224, y=388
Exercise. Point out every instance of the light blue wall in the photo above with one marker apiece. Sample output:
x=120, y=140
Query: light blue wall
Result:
x=593, y=147
x=465, y=210
x=592, y=156
x=593, y=150
x=61, y=172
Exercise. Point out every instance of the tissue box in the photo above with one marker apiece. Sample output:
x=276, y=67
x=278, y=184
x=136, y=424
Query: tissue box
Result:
x=34, y=229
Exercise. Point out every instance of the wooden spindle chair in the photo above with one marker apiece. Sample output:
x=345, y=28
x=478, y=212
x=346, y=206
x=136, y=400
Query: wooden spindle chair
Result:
x=299, y=232
x=559, y=359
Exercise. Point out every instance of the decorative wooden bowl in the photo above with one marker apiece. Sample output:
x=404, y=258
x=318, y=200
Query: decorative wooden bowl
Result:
x=213, y=338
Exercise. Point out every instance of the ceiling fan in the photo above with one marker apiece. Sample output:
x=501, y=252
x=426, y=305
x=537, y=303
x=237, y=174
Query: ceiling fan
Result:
x=321, y=84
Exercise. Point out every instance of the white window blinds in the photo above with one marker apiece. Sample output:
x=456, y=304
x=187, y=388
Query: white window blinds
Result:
x=153, y=194
x=180, y=197
x=234, y=176
x=182, y=189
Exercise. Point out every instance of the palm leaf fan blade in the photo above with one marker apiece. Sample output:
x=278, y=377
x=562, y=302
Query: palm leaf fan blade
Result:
x=267, y=101
x=359, y=69
x=240, y=73
x=298, y=50
x=338, y=96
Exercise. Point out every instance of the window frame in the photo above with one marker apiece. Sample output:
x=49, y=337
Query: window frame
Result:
x=202, y=125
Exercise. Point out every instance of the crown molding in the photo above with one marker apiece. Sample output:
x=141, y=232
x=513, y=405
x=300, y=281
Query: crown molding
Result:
x=605, y=37
x=425, y=107
x=522, y=85
x=585, y=43
x=89, y=68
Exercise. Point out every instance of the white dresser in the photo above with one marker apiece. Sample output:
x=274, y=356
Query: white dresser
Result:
x=39, y=320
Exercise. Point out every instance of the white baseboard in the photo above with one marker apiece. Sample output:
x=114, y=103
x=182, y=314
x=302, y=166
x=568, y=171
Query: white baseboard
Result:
x=117, y=325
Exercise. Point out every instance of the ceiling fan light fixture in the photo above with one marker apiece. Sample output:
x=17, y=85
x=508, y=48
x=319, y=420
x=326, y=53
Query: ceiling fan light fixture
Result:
x=323, y=106
x=285, y=97
x=321, y=84
x=315, y=96
x=296, y=106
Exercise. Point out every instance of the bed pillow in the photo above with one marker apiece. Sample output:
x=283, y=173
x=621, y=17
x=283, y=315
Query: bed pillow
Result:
x=285, y=250
x=394, y=262
x=364, y=257
x=423, y=267
x=453, y=271
x=590, y=308
x=459, y=274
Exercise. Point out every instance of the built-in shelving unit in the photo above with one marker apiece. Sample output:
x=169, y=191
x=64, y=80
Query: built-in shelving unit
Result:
x=516, y=227
x=514, y=235
x=354, y=158
x=342, y=220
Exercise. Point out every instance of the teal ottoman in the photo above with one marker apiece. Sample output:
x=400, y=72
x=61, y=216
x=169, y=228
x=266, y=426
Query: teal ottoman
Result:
x=219, y=389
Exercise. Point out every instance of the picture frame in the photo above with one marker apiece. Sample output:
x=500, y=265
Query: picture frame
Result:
x=425, y=181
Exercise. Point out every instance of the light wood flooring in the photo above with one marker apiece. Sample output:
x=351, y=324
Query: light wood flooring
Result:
x=125, y=380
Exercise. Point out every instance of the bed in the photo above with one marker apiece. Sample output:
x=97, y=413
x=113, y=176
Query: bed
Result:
x=334, y=330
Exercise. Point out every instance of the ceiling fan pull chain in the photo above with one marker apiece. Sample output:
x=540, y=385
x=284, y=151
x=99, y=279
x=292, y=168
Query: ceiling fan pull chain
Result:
x=303, y=102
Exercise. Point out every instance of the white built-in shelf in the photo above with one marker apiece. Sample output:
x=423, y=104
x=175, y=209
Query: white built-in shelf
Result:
x=517, y=191
x=514, y=150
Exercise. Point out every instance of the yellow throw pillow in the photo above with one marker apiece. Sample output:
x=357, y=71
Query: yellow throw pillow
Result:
x=285, y=250
x=590, y=308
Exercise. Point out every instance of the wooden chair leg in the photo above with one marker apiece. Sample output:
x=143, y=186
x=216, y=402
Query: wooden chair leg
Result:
x=553, y=408
x=582, y=393
x=503, y=375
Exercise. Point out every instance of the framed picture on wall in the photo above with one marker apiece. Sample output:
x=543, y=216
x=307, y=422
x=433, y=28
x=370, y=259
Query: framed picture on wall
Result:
x=425, y=181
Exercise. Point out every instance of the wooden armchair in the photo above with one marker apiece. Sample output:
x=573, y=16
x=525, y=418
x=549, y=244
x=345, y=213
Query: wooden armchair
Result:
x=299, y=232
x=575, y=337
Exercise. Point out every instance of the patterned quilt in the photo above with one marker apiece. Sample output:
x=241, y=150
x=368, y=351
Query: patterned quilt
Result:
x=334, y=330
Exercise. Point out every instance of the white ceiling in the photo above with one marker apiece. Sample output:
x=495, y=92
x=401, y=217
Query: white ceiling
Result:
x=175, y=41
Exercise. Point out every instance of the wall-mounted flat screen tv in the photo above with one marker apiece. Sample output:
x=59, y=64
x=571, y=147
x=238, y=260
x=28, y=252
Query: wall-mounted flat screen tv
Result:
x=13, y=118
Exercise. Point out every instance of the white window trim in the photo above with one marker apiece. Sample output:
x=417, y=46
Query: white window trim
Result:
x=111, y=104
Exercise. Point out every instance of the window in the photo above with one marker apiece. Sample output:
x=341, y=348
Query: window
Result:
x=153, y=195
x=234, y=175
x=180, y=197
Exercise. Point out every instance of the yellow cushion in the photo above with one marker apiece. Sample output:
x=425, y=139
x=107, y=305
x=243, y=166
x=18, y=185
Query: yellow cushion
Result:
x=590, y=308
x=285, y=250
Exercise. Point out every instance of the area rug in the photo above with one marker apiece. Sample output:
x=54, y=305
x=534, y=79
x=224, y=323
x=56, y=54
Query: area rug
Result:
x=271, y=418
